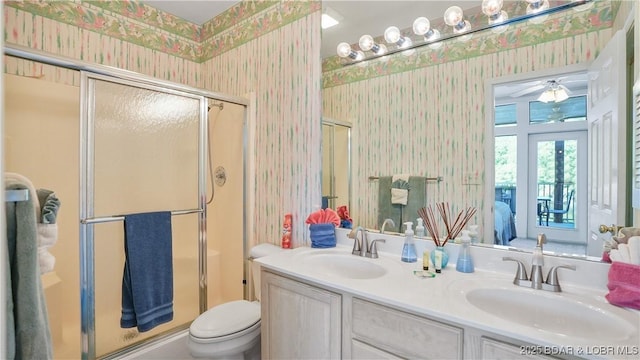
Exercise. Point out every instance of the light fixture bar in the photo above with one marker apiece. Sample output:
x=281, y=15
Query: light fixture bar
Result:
x=515, y=19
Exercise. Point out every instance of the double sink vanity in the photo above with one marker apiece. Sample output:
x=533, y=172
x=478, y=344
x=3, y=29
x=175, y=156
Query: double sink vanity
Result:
x=330, y=304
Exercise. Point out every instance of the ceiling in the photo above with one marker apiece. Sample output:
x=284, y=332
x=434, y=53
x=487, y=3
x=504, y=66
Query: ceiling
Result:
x=359, y=17
x=195, y=11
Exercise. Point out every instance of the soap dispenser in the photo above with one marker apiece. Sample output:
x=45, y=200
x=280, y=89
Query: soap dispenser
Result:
x=465, y=261
x=419, y=227
x=409, y=248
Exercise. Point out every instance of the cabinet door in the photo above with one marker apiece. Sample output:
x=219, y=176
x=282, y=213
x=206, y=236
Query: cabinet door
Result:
x=299, y=321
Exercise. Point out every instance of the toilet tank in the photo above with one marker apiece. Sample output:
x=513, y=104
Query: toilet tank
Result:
x=256, y=252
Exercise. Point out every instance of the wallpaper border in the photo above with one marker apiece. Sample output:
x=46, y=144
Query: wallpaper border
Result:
x=142, y=25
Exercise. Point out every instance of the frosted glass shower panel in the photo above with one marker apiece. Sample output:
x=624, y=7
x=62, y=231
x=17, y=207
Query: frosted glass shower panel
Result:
x=146, y=150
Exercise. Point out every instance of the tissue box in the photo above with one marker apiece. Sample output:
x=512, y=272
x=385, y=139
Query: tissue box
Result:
x=322, y=235
x=624, y=285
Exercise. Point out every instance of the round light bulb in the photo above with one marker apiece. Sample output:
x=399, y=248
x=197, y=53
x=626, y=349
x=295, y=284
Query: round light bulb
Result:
x=502, y=17
x=392, y=34
x=421, y=25
x=491, y=7
x=382, y=49
x=453, y=15
x=433, y=35
x=366, y=42
x=344, y=49
x=407, y=43
x=462, y=27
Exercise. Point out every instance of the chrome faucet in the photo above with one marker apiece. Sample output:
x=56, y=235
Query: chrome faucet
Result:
x=384, y=223
x=360, y=245
x=537, y=262
x=536, y=280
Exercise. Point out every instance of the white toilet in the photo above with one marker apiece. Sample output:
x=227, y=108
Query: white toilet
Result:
x=231, y=330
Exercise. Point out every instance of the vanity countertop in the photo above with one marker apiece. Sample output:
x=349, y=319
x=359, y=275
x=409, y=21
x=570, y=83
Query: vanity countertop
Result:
x=444, y=298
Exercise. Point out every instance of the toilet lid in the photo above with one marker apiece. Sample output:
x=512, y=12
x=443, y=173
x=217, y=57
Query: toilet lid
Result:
x=225, y=319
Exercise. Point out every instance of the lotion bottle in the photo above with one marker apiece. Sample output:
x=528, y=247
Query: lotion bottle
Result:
x=409, y=249
x=419, y=227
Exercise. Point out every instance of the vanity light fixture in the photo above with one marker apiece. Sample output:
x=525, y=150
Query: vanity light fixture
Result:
x=554, y=93
x=344, y=51
x=454, y=17
x=393, y=36
x=367, y=43
x=537, y=11
x=536, y=6
x=422, y=26
x=493, y=10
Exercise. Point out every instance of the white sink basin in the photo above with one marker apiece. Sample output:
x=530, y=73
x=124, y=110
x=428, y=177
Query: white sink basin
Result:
x=343, y=265
x=554, y=313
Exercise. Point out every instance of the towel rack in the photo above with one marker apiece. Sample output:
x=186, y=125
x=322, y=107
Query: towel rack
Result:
x=438, y=178
x=121, y=217
x=16, y=195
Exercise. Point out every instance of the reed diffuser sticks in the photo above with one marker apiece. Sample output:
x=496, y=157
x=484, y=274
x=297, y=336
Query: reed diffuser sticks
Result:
x=453, y=228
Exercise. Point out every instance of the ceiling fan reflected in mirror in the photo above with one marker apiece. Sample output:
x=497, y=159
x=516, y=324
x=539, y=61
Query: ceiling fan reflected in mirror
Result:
x=553, y=90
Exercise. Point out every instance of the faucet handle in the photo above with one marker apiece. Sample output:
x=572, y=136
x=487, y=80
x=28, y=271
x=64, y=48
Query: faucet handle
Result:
x=357, y=247
x=552, y=277
x=373, y=249
x=521, y=272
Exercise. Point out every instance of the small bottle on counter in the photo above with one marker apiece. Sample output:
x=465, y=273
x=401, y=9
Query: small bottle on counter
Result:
x=425, y=260
x=286, y=231
x=419, y=227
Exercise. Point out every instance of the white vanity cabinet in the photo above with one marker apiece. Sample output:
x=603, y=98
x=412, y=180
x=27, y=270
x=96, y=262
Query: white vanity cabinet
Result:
x=299, y=321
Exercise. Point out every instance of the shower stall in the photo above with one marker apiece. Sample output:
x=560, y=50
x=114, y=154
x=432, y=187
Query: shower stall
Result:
x=111, y=143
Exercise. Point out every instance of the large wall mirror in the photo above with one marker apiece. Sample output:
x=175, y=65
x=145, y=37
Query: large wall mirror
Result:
x=453, y=110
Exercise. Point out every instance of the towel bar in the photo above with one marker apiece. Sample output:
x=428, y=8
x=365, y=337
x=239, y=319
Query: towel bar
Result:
x=121, y=217
x=438, y=178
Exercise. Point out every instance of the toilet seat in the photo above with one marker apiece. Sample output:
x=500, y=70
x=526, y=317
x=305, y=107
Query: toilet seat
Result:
x=226, y=321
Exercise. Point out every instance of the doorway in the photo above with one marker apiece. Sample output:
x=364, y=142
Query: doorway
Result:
x=540, y=160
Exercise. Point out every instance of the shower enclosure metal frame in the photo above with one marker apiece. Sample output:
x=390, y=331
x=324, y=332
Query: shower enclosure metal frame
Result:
x=100, y=72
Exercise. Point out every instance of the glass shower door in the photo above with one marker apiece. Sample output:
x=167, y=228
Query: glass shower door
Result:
x=145, y=143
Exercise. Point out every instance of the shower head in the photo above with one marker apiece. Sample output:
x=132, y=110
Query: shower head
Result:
x=219, y=106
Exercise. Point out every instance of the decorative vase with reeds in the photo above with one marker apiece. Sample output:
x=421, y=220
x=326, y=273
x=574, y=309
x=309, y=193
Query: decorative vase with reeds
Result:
x=452, y=228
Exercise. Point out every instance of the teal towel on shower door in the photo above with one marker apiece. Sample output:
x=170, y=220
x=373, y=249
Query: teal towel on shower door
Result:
x=147, y=281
